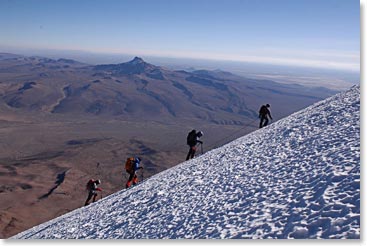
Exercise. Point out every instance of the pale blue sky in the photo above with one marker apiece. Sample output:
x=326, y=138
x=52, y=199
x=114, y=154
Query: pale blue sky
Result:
x=319, y=33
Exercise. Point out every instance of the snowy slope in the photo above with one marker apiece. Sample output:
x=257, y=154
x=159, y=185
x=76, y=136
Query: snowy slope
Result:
x=297, y=178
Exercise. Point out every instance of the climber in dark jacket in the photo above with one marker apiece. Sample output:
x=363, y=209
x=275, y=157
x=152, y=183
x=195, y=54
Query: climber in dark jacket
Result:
x=192, y=141
x=264, y=112
x=92, y=187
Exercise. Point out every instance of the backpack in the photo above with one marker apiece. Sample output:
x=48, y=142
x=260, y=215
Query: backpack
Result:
x=263, y=110
x=90, y=184
x=191, y=138
x=129, y=164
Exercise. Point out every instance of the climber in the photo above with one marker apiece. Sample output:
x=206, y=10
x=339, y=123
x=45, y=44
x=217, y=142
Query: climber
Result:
x=192, y=140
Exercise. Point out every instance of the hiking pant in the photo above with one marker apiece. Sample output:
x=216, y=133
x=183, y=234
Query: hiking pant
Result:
x=133, y=178
x=92, y=193
x=263, y=121
x=191, y=153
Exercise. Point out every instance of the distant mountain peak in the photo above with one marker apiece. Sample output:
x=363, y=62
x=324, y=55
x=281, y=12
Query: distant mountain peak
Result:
x=137, y=60
x=135, y=66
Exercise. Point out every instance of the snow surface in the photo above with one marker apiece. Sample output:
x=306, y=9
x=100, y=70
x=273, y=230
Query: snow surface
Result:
x=297, y=178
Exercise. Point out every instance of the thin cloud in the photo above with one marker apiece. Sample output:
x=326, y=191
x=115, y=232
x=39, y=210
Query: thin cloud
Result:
x=347, y=61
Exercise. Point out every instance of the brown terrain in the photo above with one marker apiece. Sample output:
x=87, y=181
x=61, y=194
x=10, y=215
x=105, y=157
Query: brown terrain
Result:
x=63, y=122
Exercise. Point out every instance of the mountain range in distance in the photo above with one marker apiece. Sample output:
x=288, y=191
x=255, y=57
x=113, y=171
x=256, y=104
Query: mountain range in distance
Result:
x=139, y=90
x=63, y=122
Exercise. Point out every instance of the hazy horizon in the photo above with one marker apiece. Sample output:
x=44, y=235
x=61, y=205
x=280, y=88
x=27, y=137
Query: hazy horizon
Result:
x=314, y=77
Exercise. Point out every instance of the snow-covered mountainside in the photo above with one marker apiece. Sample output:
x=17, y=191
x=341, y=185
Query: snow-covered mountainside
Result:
x=297, y=178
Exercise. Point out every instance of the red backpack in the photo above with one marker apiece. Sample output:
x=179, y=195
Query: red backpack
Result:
x=129, y=164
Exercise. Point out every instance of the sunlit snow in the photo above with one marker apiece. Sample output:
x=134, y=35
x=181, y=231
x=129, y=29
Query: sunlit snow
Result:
x=297, y=178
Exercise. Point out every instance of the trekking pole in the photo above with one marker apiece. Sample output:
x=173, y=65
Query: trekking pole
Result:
x=201, y=145
x=99, y=175
x=98, y=171
x=142, y=175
